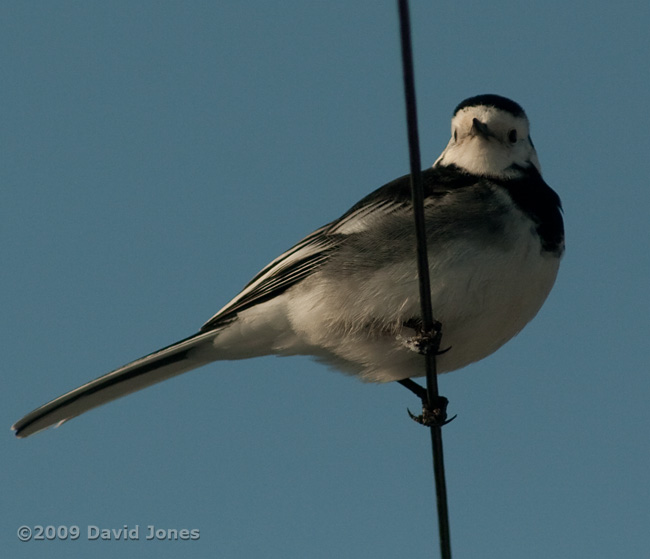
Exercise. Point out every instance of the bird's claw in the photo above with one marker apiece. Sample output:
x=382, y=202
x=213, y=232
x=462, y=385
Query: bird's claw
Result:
x=433, y=416
x=424, y=345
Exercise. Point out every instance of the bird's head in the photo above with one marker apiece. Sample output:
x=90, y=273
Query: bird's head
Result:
x=490, y=137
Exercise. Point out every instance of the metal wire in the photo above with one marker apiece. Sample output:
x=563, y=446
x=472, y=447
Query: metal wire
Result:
x=428, y=323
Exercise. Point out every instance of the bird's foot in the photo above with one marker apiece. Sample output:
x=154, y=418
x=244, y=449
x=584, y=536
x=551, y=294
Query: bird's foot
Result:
x=424, y=343
x=433, y=415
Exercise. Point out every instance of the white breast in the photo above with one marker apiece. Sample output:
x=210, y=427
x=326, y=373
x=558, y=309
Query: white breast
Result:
x=483, y=308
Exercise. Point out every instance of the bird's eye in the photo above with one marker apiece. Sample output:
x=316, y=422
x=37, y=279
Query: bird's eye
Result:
x=455, y=135
x=512, y=136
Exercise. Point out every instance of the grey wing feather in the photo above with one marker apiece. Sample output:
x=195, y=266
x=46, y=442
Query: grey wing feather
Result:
x=286, y=270
x=303, y=259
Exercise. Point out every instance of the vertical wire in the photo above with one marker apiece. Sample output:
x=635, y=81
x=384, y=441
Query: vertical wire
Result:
x=423, y=272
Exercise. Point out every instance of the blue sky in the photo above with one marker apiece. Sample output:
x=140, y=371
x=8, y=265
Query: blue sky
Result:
x=157, y=154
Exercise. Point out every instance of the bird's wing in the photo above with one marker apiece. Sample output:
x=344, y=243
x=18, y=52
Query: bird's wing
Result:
x=286, y=270
x=308, y=255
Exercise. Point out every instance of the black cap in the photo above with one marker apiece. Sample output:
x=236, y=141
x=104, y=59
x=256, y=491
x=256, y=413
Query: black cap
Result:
x=491, y=100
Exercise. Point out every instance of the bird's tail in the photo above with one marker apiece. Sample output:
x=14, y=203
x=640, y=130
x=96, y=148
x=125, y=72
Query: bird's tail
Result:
x=165, y=363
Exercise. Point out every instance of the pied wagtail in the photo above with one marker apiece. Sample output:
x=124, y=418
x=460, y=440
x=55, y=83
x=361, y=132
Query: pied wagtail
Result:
x=348, y=293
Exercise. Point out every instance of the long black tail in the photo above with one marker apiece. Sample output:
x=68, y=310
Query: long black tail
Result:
x=165, y=363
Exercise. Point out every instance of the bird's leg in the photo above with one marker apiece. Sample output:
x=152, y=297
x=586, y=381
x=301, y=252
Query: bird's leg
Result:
x=426, y=343
x=417, y=389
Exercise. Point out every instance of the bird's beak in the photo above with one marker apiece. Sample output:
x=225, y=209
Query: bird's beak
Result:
x=480, y=129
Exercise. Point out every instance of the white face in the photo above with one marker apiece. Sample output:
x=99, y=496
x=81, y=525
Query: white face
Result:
x=489, y=141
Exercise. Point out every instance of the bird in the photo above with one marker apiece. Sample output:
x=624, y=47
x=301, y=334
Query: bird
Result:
x=348, y=293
